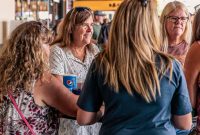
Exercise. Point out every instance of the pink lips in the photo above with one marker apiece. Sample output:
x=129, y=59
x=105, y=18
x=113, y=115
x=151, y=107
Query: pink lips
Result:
x=86, y=35
x=178, y=28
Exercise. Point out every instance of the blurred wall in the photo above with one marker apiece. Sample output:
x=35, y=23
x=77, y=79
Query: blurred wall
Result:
x=190, y=4
x=7, y=13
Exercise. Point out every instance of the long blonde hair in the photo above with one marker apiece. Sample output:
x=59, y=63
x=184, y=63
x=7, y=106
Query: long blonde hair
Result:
x=133, y=47
x=22, y=59
x=170, y=7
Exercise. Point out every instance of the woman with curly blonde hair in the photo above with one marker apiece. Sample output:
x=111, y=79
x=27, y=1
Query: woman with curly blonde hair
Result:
x=25, y=75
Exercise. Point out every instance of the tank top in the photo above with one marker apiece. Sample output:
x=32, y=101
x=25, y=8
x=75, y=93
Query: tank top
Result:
x=43, y=120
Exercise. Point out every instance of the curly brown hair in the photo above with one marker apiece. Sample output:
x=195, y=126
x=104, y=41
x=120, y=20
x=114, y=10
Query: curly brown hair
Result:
x=23, y=59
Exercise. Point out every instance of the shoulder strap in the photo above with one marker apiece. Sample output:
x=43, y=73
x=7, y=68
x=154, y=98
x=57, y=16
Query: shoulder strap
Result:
x=20, y=113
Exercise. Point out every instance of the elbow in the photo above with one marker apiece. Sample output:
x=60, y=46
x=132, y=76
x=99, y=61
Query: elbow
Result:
x=185, y=126
x=84, y=118
x=82, y=122
x=183, y=122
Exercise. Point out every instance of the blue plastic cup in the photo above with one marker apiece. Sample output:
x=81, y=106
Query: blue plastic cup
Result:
x=70, y=81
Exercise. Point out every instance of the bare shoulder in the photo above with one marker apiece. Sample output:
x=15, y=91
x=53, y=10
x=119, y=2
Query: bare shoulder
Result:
x=52, y=92
x=194, y=49
x=193, y=53
x=47, y=86
x=192, y=58
x=49, y=89
x=50, y=82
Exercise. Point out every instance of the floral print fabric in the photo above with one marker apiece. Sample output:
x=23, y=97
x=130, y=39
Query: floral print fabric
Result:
x=43, y=120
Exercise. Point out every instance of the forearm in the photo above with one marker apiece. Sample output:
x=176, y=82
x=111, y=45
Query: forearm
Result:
x=72, y=105
x=88, y=118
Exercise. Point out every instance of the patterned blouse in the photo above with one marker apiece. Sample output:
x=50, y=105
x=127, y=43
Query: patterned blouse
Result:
x=62, y=61
x=43, y=120
x=179, y=51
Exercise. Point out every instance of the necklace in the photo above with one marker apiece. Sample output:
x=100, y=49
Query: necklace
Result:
x=79, y=53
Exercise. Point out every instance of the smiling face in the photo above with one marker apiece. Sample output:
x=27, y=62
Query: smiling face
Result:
x=175, y=23
x=83, y=32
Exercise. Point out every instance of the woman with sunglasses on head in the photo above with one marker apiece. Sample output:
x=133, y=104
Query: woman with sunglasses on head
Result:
x=25, y=76
x=176, y=30
x=72, y=53
x=143, y=88
x=192, y=68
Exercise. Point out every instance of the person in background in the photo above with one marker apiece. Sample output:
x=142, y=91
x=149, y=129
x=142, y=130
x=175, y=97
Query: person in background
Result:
x=176, y=30
x=25, y=74
x=144, y=89
x=98, y=21
x=106, y=20
x=103, y=36
x=192, y=17
x=192, y=68
x=72, y=53
x=56, y=27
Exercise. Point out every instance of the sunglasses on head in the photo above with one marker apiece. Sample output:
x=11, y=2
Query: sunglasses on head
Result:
x=80, y=9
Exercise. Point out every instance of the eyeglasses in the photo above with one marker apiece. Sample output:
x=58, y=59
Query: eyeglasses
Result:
x=174, y=19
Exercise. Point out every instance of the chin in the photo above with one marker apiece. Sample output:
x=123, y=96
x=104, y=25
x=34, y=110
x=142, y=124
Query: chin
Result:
x=178, y=33
x=87, y=42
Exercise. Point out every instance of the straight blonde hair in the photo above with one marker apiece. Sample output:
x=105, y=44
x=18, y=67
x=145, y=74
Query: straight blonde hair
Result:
x=134, y=45
x=170, y=7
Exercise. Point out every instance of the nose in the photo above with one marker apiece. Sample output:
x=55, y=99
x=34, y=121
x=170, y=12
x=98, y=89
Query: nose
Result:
x=89, y=28
x=179, y=21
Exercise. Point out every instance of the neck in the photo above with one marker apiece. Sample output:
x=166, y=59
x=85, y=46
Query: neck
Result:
x=98, y=23
x=79, y=52
x=174, y=41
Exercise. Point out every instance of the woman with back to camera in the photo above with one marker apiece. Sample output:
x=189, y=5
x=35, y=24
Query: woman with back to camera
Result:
x=25, y=74
x=144, y=89
x=192, y=68
x=72, y=53
x=176, y=30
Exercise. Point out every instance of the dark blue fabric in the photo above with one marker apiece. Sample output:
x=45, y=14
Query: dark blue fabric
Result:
x=182, y=132
x=103, y=35
x=131, y=115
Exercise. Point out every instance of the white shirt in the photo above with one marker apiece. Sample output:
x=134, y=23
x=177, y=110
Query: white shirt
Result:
x=62, y=61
